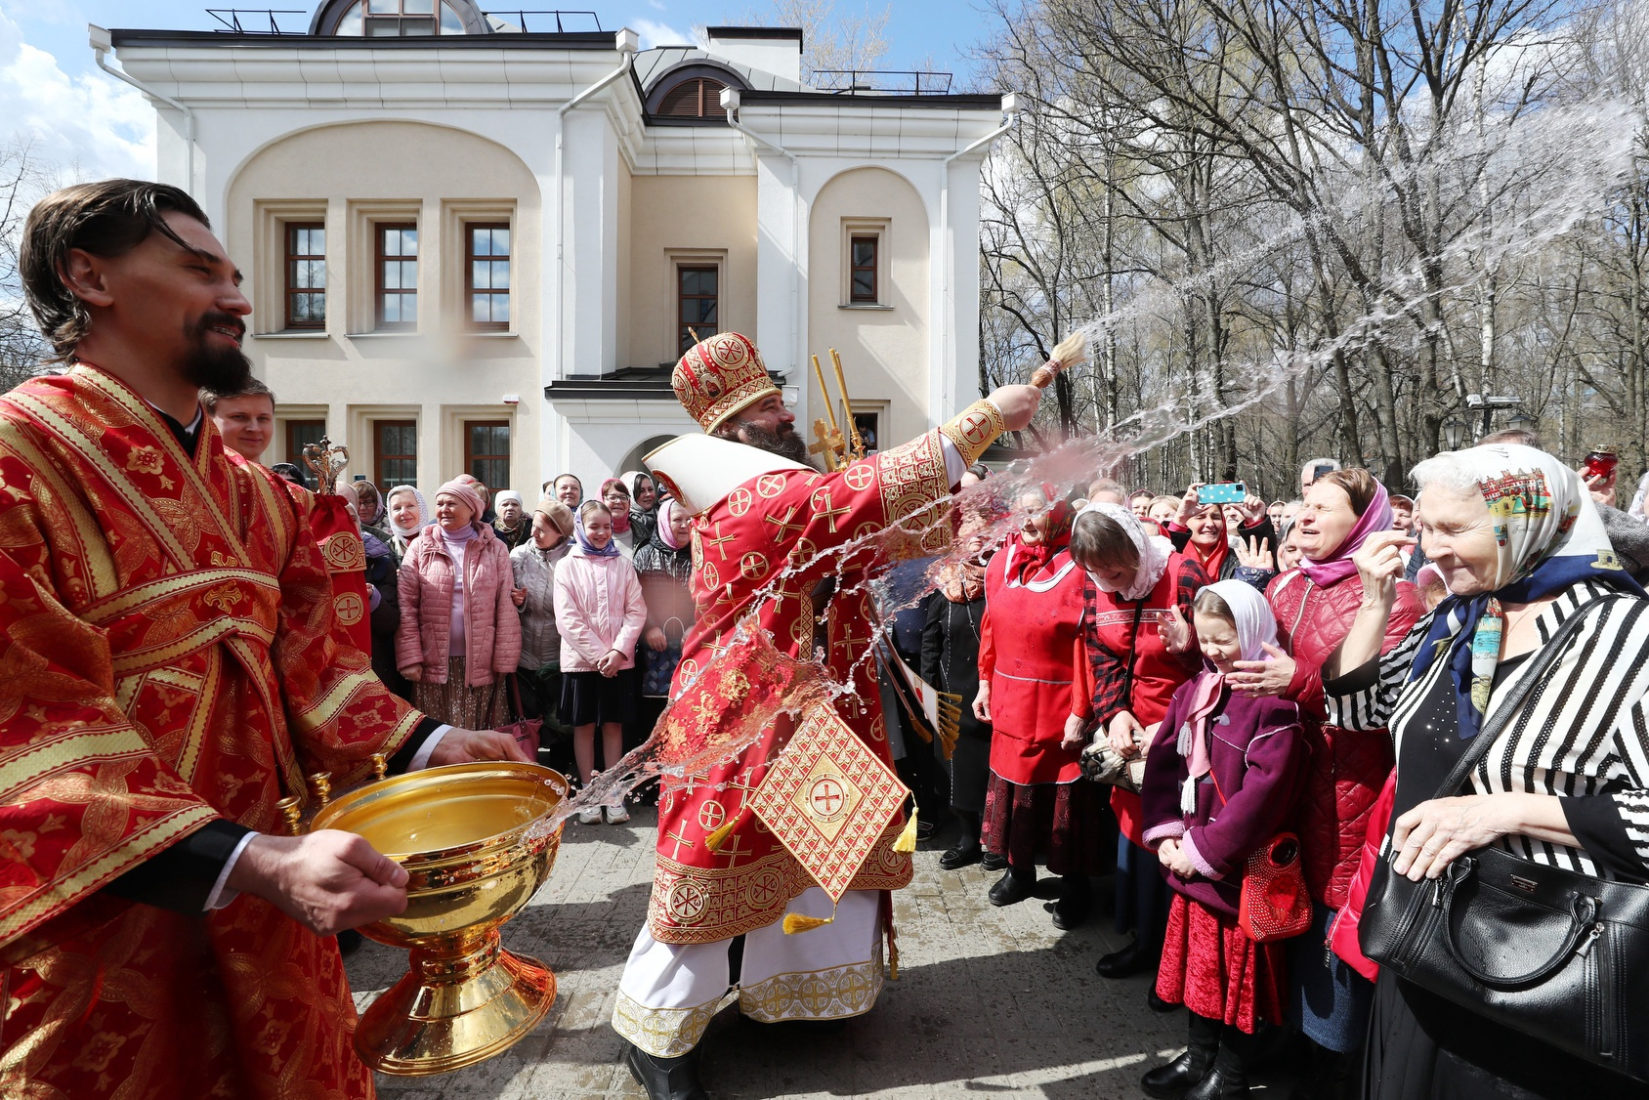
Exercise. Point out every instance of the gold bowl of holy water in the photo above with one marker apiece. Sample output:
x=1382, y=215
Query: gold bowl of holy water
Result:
x=464, y=834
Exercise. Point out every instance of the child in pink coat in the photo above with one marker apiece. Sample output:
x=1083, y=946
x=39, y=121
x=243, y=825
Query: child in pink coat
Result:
x=600, y=612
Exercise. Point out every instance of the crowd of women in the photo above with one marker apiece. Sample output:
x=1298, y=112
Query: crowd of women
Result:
x=1163, y=694
x=571, y=614
x=1246, y=691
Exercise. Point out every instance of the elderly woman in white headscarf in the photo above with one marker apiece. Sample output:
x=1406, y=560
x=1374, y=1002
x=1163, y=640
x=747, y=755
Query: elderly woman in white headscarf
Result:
x=408, y=514
x=1137, y=648
x=1566, y=780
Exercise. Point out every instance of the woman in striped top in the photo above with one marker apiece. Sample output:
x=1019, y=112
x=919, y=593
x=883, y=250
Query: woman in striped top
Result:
x=1521, y=549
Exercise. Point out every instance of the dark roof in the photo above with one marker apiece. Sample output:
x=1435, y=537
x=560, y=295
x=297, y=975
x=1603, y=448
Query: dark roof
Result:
x=989, y=101
x=754, y=32
x=626, y=382
x=572, y=40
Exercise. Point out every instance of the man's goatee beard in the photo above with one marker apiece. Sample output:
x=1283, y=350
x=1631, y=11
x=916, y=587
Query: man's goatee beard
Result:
x=226, y=372
x=790, y=445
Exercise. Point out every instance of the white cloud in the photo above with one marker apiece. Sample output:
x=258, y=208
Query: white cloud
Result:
x=87, y=127
x=656, y=5
x=653, y=33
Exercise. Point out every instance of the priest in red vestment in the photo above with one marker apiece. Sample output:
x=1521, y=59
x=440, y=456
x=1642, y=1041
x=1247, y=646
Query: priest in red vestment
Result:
x=777, y=540
x=171, y=667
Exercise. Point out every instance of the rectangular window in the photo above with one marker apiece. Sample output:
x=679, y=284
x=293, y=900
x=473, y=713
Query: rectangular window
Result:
x=299, y=434
x=869, y=425
x=697, y=296
x=305, y=275
x=862, y=286
x=487, y=275
x=397, y=268
x=395, y=453
x=487, y=452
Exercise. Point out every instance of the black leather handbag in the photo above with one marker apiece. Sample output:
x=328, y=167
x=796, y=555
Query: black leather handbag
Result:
x=1554, y=954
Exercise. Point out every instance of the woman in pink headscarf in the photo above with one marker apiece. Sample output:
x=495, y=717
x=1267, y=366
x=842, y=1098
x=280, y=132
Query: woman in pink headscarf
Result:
x=1314, y=605
x=459, y=634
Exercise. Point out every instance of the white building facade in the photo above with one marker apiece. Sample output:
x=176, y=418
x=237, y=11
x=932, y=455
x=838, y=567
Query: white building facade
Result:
x=473, y=247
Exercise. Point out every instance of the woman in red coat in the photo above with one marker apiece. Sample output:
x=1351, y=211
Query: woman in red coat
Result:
x=1314, y=605
x=1036, y=799
x=1137, y=647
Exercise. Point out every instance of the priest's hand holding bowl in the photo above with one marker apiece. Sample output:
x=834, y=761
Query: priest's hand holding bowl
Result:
x=330, y=880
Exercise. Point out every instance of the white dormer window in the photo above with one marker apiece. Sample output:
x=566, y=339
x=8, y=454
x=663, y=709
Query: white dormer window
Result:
x=399, y=19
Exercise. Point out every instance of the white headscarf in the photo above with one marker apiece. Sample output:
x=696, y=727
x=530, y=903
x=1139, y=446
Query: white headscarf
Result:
x=1153, y=551
x=1256, y=625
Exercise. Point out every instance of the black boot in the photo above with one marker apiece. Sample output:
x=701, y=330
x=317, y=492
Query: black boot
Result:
x=1228, y=1080
x=966, y=851
x=1131, y=960
x=666, y=1078
x=1075, y=900
x=1184, y=1073
x=1014, y=886
x=1330, y=1075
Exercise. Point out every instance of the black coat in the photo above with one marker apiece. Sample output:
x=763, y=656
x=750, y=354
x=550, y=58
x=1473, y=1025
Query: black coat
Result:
x=950, y=662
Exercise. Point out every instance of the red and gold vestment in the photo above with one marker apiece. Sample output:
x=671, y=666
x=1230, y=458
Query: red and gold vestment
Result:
x=169, y=657
x=763, y=551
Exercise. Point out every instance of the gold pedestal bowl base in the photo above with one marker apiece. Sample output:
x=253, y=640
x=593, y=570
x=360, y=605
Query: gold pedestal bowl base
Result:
x=460, y=833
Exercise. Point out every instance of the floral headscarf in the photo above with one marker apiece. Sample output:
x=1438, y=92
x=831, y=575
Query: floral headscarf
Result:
x=1548, y=535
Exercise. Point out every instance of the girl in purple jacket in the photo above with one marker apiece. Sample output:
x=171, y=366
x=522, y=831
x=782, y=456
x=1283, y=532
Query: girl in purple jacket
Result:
x=1221, y=779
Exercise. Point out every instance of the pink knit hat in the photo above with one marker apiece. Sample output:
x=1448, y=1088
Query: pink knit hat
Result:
x=466, y=493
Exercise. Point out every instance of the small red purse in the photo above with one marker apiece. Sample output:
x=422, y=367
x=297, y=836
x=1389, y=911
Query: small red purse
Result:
x=1273, y=904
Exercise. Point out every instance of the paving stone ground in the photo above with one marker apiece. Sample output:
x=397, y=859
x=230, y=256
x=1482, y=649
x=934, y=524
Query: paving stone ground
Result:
x=989, y=1002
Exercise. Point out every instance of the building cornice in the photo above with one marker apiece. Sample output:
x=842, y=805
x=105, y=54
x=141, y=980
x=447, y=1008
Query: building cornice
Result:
x=574, y=40
x=896, y=126
x=205, y=70
x=478, y=75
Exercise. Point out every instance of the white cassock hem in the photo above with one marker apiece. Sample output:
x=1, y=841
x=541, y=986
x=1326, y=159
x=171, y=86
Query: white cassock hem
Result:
x=669, y=992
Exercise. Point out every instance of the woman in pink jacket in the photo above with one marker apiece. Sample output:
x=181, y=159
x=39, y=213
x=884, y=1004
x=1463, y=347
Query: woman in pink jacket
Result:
x=600, y=611
x=459, y=634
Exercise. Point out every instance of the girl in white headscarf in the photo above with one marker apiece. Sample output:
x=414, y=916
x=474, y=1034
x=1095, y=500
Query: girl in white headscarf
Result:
x=1222, y=778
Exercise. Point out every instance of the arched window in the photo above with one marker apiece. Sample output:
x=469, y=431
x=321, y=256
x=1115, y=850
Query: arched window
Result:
x=695, y=97
x=400, y=18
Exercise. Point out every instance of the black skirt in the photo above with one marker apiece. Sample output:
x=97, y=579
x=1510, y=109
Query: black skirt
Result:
x=1422, y=1047
x=590, y=697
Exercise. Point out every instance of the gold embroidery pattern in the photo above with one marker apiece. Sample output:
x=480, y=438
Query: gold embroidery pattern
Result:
x=344, y=553
x=913, y=478
x=828, y=799
x=832, y=994
x=662, y=1032
x=975, y=429
x=348, y=607
x=747, y=896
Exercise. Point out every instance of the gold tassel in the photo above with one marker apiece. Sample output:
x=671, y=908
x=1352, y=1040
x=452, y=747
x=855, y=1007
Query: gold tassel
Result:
x=719, y=837
x=892, y=960
x=907, y=838
x=796, y=922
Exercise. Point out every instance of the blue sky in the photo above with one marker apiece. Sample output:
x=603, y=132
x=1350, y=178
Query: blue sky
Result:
x=75, y=117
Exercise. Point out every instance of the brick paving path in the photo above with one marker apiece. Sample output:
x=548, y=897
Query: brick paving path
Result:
x=989, y=1001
